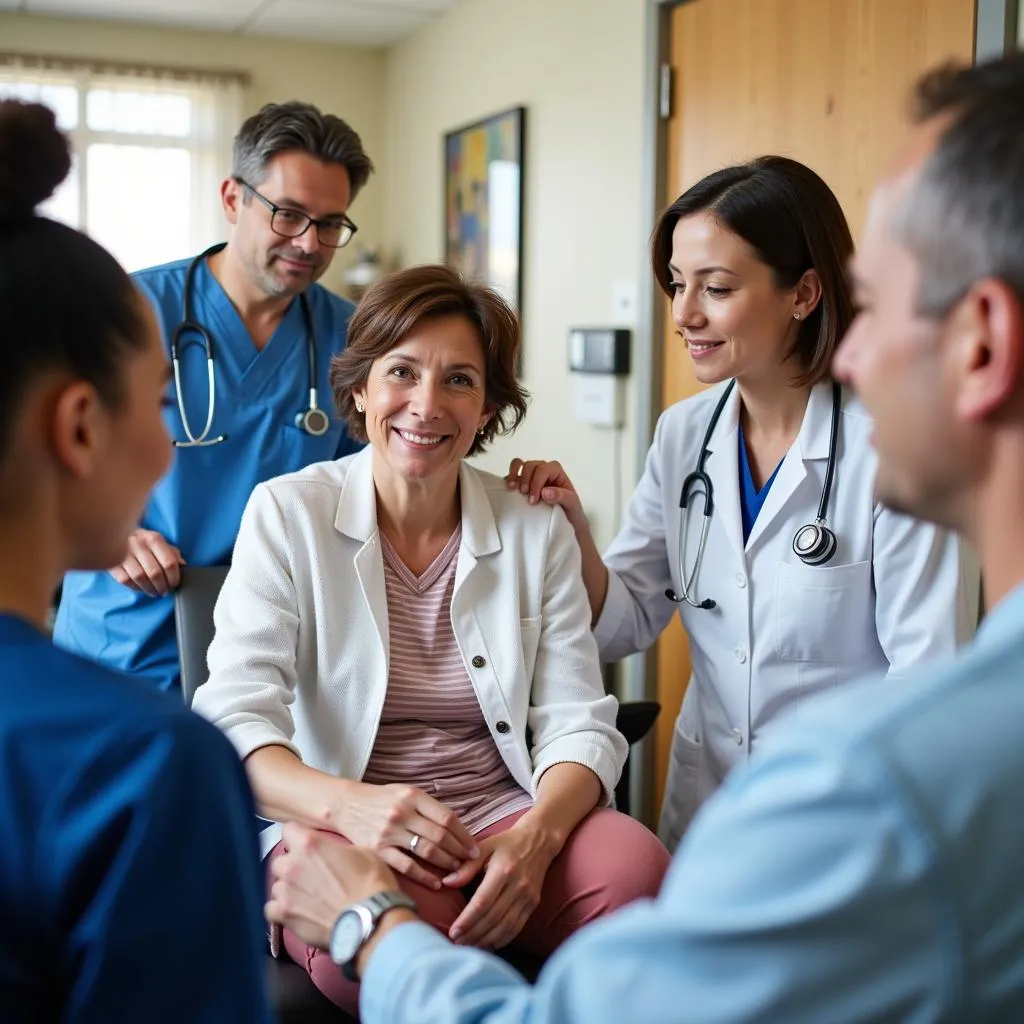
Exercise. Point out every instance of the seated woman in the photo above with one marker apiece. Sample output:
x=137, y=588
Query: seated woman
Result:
x=98, y=776
x=403, y=652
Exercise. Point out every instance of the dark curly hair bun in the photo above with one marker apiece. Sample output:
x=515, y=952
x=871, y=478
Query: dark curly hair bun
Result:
x=34, y=157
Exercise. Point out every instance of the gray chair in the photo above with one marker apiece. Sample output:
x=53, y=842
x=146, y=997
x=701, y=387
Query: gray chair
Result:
x=295, y=997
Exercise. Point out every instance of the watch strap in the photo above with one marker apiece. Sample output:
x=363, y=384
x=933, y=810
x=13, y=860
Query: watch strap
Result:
x=371, y=910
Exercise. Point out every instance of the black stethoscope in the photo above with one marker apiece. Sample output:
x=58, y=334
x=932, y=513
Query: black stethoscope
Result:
x=813, y=544
x=313, y=421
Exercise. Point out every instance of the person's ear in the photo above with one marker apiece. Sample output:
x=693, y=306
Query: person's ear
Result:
x=985, y=333
x=231, y=199
x=806, y=295
x=80, y=428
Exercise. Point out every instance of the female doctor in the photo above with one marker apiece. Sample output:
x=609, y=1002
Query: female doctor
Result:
x=755, y=515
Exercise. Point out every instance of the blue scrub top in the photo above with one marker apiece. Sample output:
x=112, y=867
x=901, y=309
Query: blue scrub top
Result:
x=751, y=499
x=129, y=871
x=198, y=506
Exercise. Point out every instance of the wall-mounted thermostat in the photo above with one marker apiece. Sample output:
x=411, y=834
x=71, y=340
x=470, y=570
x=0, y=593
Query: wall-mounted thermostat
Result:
x=599, y=350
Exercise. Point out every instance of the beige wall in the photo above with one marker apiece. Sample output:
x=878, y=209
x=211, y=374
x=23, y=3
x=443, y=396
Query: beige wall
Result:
x=577, y=66
x=345, y=81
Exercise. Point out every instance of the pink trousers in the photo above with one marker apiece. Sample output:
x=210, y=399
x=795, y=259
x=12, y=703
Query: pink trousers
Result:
x=609, y=860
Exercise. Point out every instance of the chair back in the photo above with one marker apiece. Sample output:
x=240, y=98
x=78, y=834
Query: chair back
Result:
x=634, y=721
x=193, y=620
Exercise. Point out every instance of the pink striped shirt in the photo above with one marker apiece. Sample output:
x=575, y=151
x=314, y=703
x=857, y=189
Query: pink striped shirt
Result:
x=432, y=733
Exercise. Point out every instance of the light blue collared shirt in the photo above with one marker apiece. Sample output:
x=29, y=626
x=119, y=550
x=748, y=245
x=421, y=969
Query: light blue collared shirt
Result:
x=868, y=865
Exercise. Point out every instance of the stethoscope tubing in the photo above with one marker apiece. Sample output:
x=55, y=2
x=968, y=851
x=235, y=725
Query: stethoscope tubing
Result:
x=189, y=325
x=817, y=551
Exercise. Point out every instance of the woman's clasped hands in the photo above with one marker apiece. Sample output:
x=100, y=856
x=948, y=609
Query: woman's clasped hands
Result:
x=414, y=834
x=420, y=838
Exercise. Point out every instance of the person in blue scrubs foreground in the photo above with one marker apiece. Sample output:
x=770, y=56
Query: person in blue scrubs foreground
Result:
x=112, y=908
x=866, y=865
x=294, y=173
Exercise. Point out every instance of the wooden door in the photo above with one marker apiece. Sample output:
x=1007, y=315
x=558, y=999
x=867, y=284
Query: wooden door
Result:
x=824, y=81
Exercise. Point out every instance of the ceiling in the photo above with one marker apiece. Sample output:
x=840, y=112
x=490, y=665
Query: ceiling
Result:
x=349, y=22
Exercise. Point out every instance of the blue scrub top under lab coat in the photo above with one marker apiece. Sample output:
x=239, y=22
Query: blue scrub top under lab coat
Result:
x=198, y=506
x=130, y=881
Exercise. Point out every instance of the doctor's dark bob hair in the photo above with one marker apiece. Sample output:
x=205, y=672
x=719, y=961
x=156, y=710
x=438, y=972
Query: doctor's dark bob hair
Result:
x=794, y=223
x=67, y=305
x=399, y=303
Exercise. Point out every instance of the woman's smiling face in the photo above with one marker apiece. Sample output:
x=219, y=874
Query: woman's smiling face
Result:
x=726, y=304
x=425, y=399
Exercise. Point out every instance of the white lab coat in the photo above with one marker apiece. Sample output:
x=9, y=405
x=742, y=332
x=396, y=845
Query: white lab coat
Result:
x=301, y=651
x=896, y=592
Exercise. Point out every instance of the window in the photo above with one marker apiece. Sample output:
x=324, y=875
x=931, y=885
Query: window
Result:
x=150, y=151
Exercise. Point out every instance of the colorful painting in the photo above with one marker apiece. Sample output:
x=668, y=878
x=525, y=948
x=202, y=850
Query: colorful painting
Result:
x=484, y=200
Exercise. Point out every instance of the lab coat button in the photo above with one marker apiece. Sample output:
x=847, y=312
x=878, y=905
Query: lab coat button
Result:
x=478, y=661
x=741, y=580
x=738, y=737
x=741, y=655
x=503, y=727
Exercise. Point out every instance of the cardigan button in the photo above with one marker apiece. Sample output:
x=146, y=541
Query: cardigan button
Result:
x=478, y=661
x=503, y=727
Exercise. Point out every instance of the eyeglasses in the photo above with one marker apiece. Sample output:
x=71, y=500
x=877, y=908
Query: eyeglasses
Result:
x=333, y=232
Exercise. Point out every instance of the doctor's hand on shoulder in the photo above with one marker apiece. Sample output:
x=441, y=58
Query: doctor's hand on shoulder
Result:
x=548, y=482
x=152, y=566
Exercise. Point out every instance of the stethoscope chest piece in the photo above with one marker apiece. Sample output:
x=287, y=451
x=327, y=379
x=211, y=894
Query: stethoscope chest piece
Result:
x=313, y=421
x=815, y=543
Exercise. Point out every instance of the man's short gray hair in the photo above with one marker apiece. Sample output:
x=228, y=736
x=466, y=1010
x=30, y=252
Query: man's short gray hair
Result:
x=280, y=127
x=964, y=218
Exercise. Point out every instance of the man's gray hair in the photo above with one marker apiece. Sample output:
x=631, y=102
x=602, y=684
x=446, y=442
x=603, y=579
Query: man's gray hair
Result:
x=280, y=127
x=964, y=218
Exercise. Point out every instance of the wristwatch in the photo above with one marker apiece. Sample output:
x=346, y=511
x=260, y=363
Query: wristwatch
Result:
x=357, y=923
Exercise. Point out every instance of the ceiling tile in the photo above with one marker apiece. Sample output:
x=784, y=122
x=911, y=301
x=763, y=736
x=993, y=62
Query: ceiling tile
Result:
x=352, y=22
x=224, y=15
x=336, y=21
x=415, y=6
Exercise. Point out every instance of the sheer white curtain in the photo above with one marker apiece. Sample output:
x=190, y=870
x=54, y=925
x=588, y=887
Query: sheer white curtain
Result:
x=151, y=148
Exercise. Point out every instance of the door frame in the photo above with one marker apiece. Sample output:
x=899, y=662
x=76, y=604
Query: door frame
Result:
x=998, y=24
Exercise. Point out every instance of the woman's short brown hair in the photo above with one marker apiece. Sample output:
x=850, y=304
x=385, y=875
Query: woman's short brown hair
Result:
x=396, y=306
x=794, y=223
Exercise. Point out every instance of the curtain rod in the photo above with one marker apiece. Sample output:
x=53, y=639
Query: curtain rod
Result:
x=99, y=66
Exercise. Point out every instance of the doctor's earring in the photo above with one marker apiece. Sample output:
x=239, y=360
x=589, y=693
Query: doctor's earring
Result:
x=359, y=406
x=796, y=316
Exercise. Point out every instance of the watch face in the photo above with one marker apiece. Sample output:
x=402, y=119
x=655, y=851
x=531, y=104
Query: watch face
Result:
x=347, y=937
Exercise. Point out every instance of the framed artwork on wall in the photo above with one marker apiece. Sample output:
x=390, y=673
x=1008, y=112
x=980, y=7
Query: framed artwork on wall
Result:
x=483, y=184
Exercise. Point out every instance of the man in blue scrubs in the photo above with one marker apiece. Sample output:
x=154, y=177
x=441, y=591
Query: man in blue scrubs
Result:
x=866, y=866
x=294, y=174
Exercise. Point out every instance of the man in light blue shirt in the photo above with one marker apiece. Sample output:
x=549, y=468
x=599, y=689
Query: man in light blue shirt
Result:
x=867, y=866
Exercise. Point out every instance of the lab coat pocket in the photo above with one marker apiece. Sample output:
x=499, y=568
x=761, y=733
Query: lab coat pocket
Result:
x=822, y=612
x=529, y=634
x=681, y=788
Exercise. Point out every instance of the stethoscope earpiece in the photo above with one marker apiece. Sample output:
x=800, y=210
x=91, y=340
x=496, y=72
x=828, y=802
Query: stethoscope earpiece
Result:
x=707, y=604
